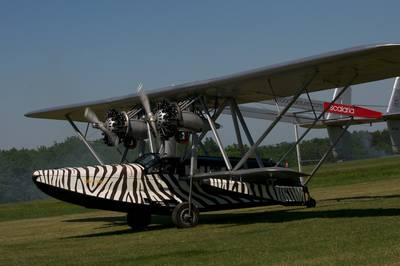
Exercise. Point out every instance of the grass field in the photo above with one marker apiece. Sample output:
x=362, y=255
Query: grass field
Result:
x=356, y=221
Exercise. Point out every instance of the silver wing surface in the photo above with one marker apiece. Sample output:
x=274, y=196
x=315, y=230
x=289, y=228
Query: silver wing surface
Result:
x=336, y=69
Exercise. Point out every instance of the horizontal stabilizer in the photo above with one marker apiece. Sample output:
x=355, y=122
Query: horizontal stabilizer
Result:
x=352, y=110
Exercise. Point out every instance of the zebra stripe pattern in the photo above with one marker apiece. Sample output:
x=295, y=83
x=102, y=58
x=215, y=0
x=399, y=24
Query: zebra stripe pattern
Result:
x=276, y=193
x=128, y=183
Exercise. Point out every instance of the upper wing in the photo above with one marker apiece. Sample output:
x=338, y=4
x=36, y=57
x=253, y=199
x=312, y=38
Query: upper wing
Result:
x=336, y=69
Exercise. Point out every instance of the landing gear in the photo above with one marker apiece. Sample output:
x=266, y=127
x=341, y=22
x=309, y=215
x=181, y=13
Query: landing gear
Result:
x=311, y=203
x=138, y=219
x=183, y=218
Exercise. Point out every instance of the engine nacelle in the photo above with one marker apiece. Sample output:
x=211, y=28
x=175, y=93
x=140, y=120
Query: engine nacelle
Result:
x=137, y=129
x=127, y=130
x=169, y=120
x=192, y=122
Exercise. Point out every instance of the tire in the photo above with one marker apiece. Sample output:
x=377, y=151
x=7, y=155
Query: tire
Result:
x=138, y=219
x=181, y=218
x=311, y=203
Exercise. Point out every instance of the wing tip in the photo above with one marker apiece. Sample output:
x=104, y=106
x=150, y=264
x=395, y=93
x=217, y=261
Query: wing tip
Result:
x=29, y=115
x=34, y=114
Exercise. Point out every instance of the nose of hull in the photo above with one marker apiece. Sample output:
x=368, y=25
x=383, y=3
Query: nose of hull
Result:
x=108, y=187
x=37, y=175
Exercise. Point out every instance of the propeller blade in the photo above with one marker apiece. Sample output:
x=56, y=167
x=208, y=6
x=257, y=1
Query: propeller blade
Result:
x=144, y=99
x=113, y=138
x=91, y=116
x=146, y=105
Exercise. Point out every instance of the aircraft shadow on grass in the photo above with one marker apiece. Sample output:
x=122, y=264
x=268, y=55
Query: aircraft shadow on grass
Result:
x=243, y=218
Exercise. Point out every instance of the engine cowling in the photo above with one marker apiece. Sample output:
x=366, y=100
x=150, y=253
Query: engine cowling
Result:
x=127, y=130
x=170, y=120
x=192, y=122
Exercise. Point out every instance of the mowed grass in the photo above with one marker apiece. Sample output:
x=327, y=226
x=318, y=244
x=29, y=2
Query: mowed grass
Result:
x=356, y=222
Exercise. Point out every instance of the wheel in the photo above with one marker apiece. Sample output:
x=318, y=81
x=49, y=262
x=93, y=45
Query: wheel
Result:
x=138, y=219
x=182, y=218
x=311, y=203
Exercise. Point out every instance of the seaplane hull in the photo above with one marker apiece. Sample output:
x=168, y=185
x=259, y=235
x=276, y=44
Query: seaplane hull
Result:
x=127, y=187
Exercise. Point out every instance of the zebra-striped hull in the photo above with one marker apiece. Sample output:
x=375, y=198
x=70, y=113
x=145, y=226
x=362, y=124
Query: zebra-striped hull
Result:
x=125, y=187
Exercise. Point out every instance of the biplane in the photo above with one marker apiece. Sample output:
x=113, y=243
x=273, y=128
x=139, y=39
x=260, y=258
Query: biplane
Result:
x=160, y=181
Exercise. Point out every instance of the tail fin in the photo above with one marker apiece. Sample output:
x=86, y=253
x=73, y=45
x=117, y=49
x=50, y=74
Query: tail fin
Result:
x=394, y=125
x=344, y=99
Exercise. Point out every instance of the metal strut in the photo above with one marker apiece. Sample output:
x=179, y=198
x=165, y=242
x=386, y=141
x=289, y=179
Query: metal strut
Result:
x=87, y=129
x=273, y=94
x=83, y=139
x=204, y=133
x=311, y=103
x=316, y=120
x=215, y=132
x=273, y=124
x=152, y=148
x=193, y=168
x=328, y=151
x=237, y=130
x=247, y=132
x=123, y=159
x=296, y=135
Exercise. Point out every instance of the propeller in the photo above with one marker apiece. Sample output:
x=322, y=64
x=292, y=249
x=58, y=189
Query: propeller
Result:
x=146, y=105
x=92, y=118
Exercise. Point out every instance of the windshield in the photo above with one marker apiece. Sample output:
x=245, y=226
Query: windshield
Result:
x=148, y=160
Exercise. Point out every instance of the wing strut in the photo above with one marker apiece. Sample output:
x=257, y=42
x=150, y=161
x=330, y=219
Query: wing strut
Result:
x=152, y=147
x=83, y=139
x=328, y=151
x=193, y=168
x=311, y=104
x=237, y=130
x=246, y=132
x=273, y=93
x=217, y=138
x=204, y=133
x=317, y=119
x=273, y=124
x=298, y=152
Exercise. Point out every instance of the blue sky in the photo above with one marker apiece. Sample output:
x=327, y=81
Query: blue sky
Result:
x=61, y=52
